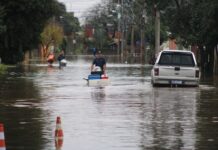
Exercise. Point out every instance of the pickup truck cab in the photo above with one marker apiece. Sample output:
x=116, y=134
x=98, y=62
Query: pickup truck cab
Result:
x=175, y=67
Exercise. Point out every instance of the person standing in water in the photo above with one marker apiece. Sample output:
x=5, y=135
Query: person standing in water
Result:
x=61, y=58
x=94, y=51
x=50, y=58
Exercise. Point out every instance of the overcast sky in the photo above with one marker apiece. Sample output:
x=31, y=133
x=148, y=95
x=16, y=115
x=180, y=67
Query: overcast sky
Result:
x=79, y=6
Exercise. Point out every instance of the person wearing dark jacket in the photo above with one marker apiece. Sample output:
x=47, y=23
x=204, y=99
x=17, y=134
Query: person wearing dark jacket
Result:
x=61, y=57
x=99, y=64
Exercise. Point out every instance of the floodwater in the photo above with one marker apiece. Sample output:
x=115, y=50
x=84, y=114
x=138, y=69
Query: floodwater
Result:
x=128, y=114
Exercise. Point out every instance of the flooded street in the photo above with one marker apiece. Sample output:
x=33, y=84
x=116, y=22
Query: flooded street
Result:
x=128, y=114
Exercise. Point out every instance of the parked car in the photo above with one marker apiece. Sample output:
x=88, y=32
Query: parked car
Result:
x=175, y=67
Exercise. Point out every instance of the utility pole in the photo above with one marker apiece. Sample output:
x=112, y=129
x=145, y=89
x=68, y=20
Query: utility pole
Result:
x=132, y=40
x=119, y=24
x=143, y=22
x=132, y=47
x=122, y=29
x=157, y=30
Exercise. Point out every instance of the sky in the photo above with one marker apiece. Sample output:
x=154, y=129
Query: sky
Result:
x=79, y=7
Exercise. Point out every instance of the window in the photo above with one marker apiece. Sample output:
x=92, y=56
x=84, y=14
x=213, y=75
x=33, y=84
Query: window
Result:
x=176, y=59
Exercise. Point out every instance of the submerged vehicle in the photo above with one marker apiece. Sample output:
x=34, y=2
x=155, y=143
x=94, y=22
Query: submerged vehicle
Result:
x=175, y=67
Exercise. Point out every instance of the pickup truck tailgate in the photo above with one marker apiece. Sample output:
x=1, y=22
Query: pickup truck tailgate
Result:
x=176, y=71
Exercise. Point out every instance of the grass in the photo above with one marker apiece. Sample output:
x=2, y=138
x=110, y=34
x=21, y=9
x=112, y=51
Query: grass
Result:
x=2, y=68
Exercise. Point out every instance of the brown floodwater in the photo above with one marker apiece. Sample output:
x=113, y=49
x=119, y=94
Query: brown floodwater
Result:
x=128, y=114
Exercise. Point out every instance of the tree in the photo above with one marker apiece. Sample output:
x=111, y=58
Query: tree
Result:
x=98, y=19
x=52, y=35
x=195, y=22
x=2, y=26
x=70, y=23
x=71, y=26
x=24, y=21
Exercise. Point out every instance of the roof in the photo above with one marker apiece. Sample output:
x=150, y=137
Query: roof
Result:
x=185, y=51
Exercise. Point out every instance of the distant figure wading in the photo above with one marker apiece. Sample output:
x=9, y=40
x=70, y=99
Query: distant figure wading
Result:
x=50, y=58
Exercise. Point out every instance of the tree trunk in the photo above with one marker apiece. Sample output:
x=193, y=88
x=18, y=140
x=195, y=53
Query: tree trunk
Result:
x=132, y=41
x=215, y=60
x=202, y=59
x=142, y=46
x=126, y=50
x=211, y=60
x=207, y=60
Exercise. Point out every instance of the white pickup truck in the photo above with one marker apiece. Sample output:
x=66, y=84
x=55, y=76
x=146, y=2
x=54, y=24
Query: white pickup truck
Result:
x=175, y=67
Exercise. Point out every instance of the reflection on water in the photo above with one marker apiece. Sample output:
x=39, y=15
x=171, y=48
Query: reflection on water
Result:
x=174, y=118
x=207, y=115
x=19, y=101
x=128, y=114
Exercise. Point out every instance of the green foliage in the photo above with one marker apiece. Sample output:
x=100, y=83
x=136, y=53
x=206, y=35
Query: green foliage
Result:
x=208, y=21
x=194, y=21
x=52, y=34
x=71, y=27
x=70, y=23
x=191, y=21
x=2, y=26
x=3, y=68
x=24, y=21
x=99, y=19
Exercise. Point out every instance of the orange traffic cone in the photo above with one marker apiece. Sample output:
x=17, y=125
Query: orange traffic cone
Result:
x=58, y=134
x=2, y=138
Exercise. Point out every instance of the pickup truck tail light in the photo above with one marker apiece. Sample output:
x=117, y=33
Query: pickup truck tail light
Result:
x=156, y=71
x=197, y=73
